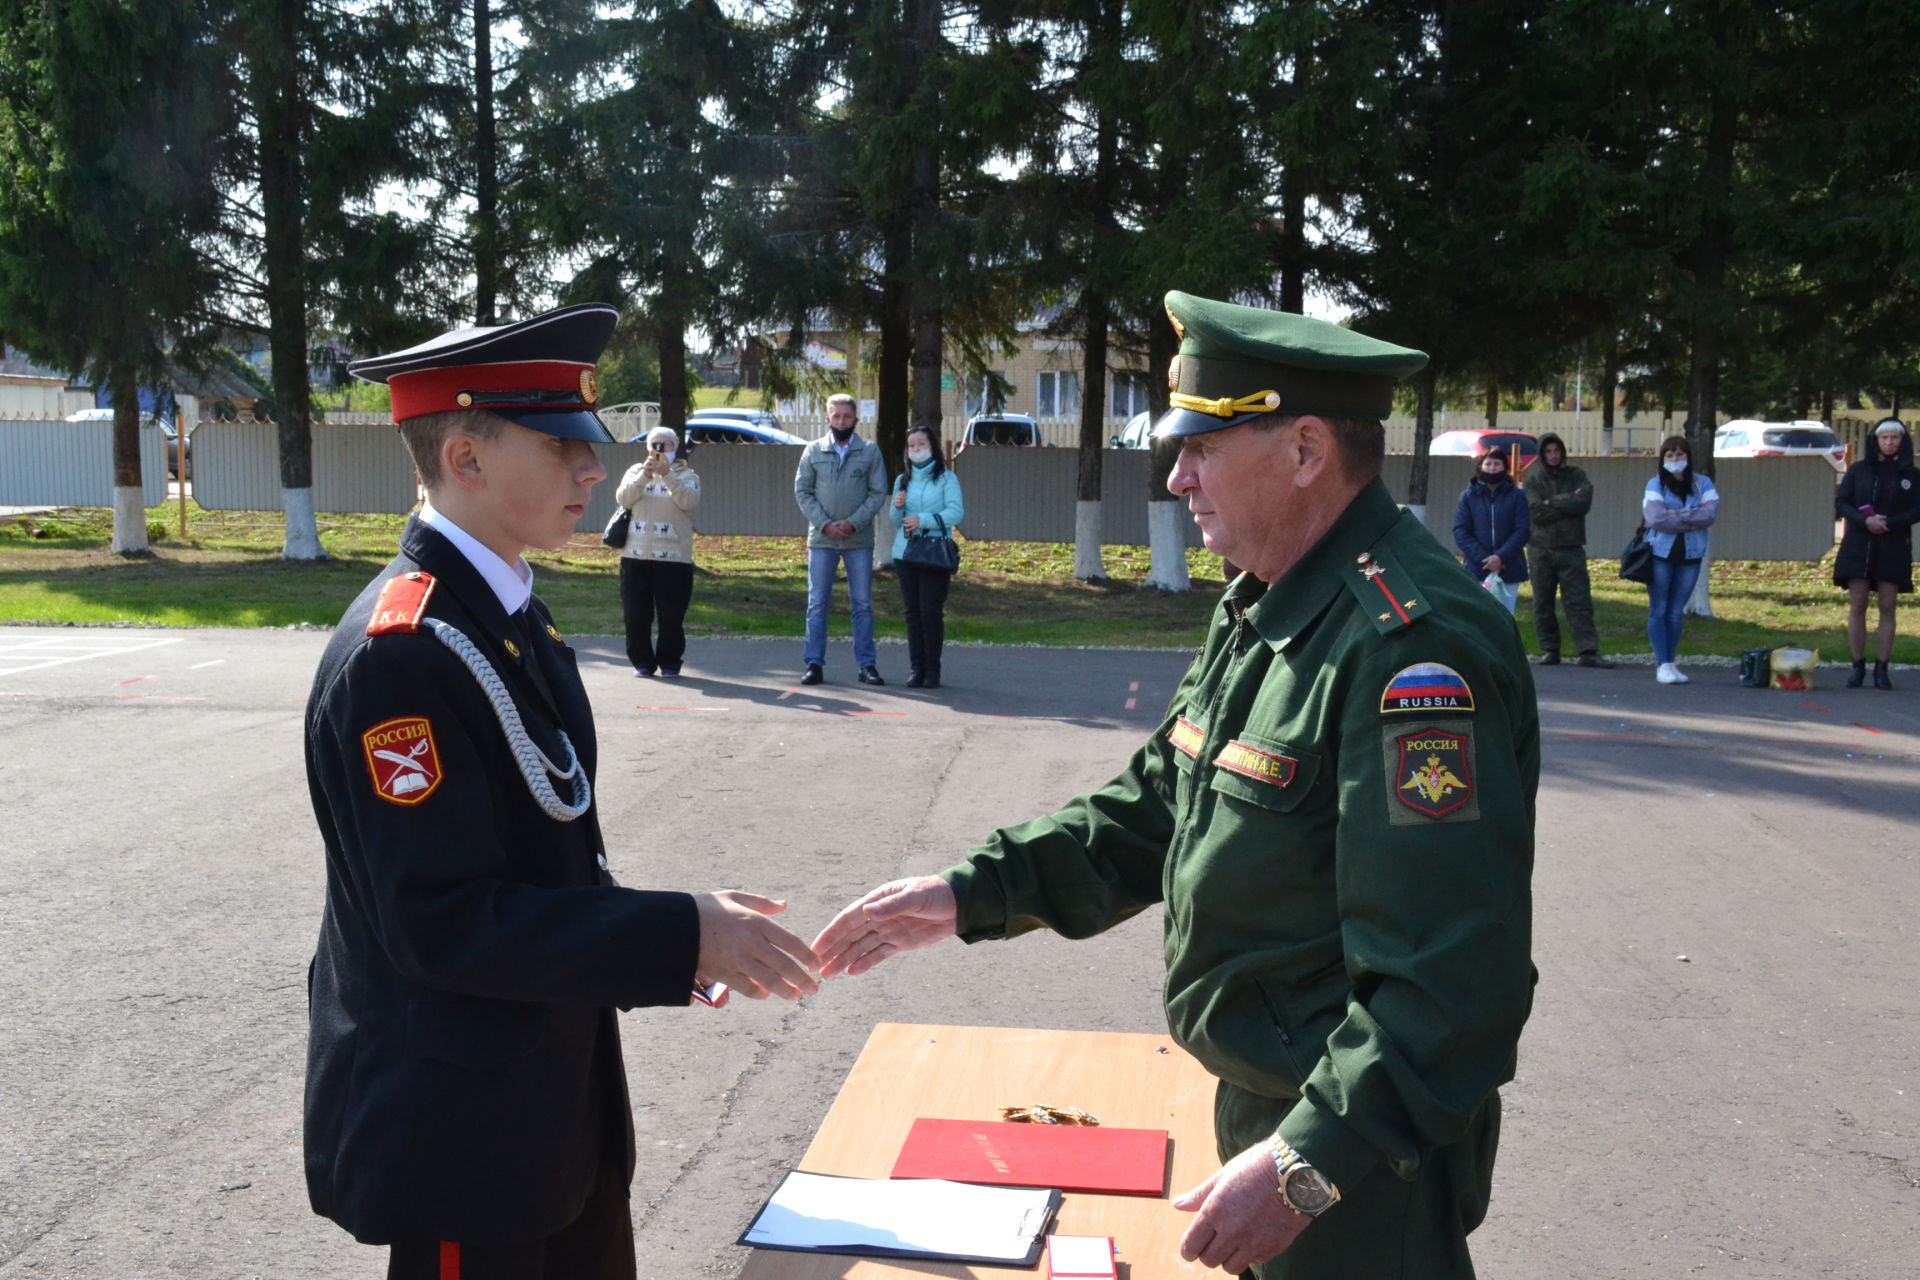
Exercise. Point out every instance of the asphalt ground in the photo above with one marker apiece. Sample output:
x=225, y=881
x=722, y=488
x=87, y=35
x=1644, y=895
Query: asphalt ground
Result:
x=1718, y=1079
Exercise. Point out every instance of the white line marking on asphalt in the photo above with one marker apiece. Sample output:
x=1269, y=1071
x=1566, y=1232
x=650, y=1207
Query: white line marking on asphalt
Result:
x=9, y=648
x=216, y=662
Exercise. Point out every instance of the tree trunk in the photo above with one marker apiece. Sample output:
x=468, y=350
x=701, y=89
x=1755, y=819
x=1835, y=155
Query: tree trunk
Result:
x=1493, y=404
x=277, y=99
x=1167, y=519
x=672, y=343
x=896, y=342
x=1088, y=565
x=1421, y=469
x=486, y=186
x=129, y=498
x=1609, y=381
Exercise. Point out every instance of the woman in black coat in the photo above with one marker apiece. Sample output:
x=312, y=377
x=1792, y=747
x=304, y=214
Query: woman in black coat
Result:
x=1491, y=525
x=1879, y=498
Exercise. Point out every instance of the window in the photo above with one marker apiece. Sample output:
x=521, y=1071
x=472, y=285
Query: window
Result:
x=1128, y=396
x=1056, y=394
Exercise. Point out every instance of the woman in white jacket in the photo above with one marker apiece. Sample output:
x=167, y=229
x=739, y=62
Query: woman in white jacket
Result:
x=656, y=568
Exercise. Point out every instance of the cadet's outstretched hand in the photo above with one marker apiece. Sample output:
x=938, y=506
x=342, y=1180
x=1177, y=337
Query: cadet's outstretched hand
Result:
x=750, y=953
x=900, y=915
x=1242, y=1219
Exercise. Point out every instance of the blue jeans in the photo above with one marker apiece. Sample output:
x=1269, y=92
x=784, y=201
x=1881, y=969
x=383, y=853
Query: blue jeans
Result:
x=1667, y=597
x=823, y=565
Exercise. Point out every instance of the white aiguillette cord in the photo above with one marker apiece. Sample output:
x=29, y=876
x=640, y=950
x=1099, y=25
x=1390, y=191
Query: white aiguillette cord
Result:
x=533, y=762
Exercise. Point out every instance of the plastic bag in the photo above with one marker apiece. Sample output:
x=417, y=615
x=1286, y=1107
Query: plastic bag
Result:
x=1793, y=668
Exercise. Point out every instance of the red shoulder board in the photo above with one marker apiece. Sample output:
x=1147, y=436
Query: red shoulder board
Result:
x=402, y=603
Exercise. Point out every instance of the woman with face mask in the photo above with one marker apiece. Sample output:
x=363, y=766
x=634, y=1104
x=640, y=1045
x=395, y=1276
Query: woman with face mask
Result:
x=926, y=501
x=1879, y=499
x=656, y=568
x=1491, y=525
x=1679, y=507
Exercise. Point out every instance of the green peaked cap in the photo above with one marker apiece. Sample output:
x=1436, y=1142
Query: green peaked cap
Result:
x=1237, y=363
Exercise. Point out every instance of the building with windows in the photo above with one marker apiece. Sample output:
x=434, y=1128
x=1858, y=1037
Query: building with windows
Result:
x=1041, y=377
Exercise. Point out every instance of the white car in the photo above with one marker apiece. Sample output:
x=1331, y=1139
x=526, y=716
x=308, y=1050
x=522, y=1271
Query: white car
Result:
x=1749, y=438
x=1000, y=429
x=1137, y=434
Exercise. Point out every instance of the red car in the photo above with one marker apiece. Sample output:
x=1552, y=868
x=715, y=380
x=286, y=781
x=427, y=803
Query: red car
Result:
x=1521, y=448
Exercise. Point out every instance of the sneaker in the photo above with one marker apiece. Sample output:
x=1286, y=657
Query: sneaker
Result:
x=1595, y=660
x=670, y=673
x=1679, y=676
x=1667, y=673
x=814, y=674
x=870, y=675
x=643, y=671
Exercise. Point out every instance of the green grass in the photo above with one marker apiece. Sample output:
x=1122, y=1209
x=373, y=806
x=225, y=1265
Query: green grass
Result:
x=228, y=572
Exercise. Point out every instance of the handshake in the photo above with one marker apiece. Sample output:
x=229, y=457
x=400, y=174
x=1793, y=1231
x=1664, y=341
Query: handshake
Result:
x=741, y=945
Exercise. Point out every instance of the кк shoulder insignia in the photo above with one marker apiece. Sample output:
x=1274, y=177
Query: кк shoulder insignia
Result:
x=1385, y=592
x=1187, y=736
x=1424, y=688
x=402, y=603
x=403, y=759
x=1430, y=776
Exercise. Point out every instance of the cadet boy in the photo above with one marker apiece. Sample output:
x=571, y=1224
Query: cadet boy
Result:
x=1337, y=813
x=466, y=1100
x=1559, y=495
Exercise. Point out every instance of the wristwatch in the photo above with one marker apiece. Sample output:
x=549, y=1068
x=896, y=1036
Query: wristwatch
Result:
x=1304, y=1188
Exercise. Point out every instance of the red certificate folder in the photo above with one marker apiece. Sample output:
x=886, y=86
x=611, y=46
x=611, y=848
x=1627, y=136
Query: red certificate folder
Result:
x=1128, y=1162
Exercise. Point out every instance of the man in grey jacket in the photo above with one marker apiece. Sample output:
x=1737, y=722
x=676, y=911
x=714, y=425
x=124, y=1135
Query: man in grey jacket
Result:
x=840, y=484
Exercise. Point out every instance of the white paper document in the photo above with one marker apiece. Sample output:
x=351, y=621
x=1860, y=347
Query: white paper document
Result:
x=914, y=1217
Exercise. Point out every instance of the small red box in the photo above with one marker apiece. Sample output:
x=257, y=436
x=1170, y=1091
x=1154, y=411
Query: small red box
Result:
x=1080, y=1258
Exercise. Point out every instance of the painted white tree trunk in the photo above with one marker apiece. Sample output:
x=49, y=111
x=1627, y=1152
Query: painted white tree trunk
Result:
x=1700, y=603
x=1419, y=511
x=1167, y=544
x=1088, y=565
x=129, y=520
x=303, y=533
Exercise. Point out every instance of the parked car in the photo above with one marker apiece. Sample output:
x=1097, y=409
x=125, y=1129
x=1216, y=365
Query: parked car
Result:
x=1521, y=448
x=1000, y=428
x=1748, y=438
x=166, y=425
x=702, y=429
x=751, y=417
x=1137, y=434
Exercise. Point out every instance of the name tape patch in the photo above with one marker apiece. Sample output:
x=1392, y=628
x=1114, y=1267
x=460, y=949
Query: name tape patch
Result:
x=1252, y=762
x=1187, y=736
x=1424, y=688
x=402, y=759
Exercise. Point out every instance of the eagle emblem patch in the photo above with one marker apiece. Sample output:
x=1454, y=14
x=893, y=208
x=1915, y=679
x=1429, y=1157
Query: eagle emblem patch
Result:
x=1434, y=777
x=1425, y=688
x=402, y=759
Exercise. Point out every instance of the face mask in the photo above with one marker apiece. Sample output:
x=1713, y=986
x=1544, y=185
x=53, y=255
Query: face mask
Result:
x=665, y=454
x=918, y=456
x=839, y=436
x=1675, y=466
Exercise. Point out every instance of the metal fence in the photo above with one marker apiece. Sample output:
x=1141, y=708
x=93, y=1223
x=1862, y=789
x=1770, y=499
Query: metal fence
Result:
x=1772, y=509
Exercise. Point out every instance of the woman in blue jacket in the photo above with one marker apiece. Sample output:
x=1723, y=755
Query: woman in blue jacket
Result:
x=926, y=500
x=1491, y=526
x=1679, y=507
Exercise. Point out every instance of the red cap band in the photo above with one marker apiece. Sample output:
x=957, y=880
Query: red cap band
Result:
x=494, y=386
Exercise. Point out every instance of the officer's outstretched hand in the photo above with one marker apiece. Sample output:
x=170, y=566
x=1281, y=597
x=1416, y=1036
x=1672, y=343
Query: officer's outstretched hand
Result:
x=1241, y=1219
x=901, y=915
x=750, y=953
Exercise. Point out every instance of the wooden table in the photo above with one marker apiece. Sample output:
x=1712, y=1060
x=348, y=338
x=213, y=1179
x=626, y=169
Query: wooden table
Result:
x=1128, y=1081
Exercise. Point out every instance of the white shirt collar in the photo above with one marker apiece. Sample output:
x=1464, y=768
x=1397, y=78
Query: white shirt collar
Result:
x=512, y=583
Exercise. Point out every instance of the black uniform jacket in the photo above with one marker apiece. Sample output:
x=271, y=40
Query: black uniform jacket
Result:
x=1880, y=557
x=464, y=1079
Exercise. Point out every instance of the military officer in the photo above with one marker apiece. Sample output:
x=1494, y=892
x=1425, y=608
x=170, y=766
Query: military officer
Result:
x=466, y=1102
x=1337, y=813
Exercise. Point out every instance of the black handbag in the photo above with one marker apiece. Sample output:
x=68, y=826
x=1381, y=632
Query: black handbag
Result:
x=935, y=551
x=615, y=534
x=1636, y=562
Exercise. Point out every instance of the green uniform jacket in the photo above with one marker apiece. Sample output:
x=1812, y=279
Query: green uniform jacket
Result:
x=1338, y=814
x=1558, y=499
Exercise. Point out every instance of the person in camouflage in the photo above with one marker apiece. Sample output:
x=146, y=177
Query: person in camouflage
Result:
x=1558, y=497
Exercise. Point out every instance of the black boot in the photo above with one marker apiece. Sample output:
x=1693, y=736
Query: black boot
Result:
x=918, y=680
x=1881, y=680
x=1859, y=676
x=932, y=678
